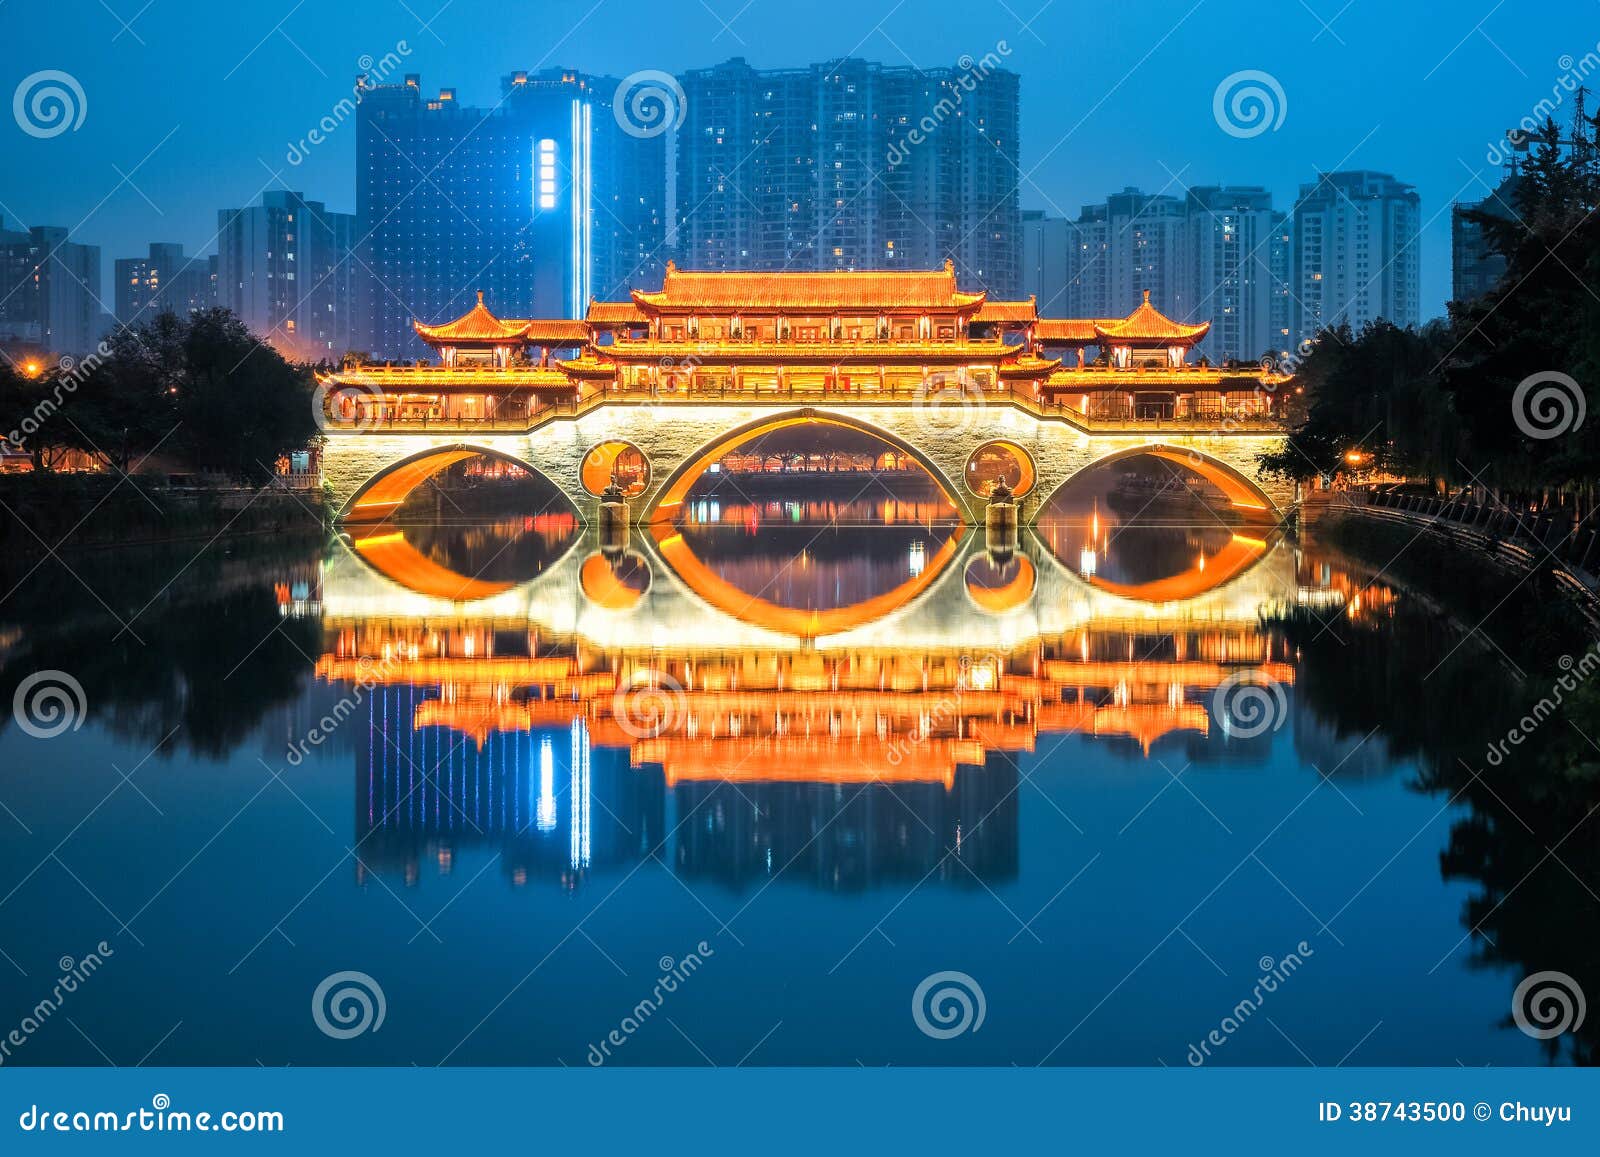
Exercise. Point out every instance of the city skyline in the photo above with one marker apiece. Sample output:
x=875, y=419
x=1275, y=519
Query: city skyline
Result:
x=1116, y=127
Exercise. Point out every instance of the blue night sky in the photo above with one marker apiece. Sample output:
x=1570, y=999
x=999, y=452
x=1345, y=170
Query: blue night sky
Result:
x=196, y=104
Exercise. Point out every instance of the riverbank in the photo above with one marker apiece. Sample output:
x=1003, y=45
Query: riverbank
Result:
x=40, y=513
x=1529, y=611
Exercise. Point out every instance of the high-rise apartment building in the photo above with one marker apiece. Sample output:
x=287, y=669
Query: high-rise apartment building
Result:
x=1355, y=253
x=1216, y=254
x=164, y=281
x=49, y=290
x=1475, y=269
x=851, y=164
x=544, y=201
x=285, y=268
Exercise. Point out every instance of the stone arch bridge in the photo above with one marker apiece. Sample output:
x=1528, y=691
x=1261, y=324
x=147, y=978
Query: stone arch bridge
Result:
x=371, y=472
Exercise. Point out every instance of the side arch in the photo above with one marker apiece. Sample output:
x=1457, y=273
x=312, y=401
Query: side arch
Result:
x=1242, y=492
x=669, y=498
x=386, y=491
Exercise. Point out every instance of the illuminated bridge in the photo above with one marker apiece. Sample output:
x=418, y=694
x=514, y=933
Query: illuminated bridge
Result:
x=658, y=390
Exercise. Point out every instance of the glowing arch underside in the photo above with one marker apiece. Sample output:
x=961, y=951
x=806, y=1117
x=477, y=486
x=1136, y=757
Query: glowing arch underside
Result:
x=395, y=558
x=1241, y=493
x=670, y=502
x=387, y=493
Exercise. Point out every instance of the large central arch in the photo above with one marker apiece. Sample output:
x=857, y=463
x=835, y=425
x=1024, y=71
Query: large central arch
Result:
x=669, y=499
x=385, y=492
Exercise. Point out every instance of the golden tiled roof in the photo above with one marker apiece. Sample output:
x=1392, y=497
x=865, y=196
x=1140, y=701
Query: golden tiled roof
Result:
x=476, y=325
x=1149, y=324
x=1001, y=311
x=615, y=313
x=865, y=291
x=1066, y=330
x=557, y=332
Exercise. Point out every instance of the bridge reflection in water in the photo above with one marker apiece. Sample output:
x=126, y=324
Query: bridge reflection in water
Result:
x=836, y=687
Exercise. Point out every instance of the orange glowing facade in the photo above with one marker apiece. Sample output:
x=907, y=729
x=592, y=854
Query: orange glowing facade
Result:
x=828, y=337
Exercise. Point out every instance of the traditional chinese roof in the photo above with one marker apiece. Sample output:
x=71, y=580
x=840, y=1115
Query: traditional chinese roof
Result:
x=615, y=313
x=1003, y=311
x=1065, y=331
x=1148, y=325
x=477, y=325
x=556, y=332
x=684, y=291
x=1029, y=366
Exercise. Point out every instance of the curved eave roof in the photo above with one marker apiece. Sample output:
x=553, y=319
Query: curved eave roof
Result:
x=1147, y=324
x=476, y=325
x=869, y=291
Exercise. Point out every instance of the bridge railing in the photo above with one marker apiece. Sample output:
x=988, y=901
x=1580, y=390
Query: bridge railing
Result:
x=1573, y=542
x=1215, y=422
